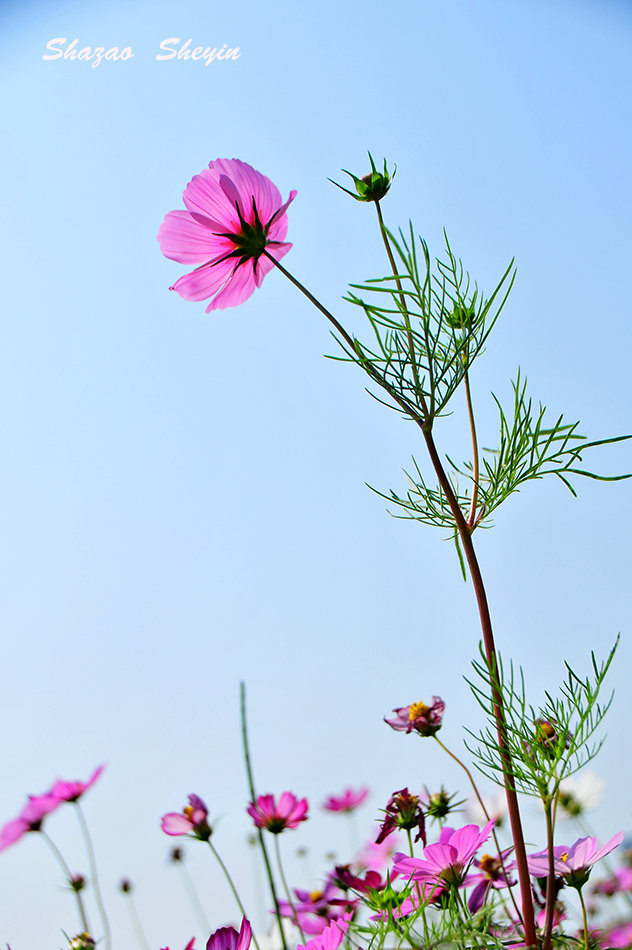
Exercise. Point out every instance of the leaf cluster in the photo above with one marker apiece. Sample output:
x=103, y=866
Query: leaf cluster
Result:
x=546, y=744
x=429, y=325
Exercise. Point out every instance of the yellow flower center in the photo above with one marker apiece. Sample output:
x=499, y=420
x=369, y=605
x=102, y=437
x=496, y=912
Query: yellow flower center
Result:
x=490, y=866
x=188, y=812
x=315, y=896
x=418, y=709
x=564, y=856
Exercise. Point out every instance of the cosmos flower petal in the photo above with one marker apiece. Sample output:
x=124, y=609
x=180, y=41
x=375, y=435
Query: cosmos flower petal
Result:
x=186, y=240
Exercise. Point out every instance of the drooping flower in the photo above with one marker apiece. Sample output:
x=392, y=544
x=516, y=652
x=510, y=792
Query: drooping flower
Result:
x=447, y=861
x=192, y=820
x=227, y=938
x=342, y=876
x=348, y=801
x=425, y=720
x=288, y=813
x=331, y=937
x=29, y=819
x=72, y=791
x=234, y=218
x=403, y=811
x=574, y=864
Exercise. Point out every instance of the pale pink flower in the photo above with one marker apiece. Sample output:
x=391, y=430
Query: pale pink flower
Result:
x=347, y=801
x=227, y=938
x=72, y=791
x=192, y=820
x=574, y=864
x=288, y=813
x=234, y=217
x=619, y=937
x=446, y=861
x=29, y=819
x=425, y=720
x=331, y=937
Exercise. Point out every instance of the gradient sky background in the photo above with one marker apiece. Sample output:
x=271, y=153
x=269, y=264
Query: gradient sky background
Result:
x=183, y=495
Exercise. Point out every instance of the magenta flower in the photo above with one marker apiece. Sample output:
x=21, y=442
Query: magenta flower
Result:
x=72, y=791
x=29, y=819
x=227, y=938
x=331, y=937
x=192, y=820
x=574, y=864
x=448, y=860
x=348, y=801
x=403, y=811
x=313, y=910
x=289, y=812
x=235, y=218
x=426, y=720
x=490, y=874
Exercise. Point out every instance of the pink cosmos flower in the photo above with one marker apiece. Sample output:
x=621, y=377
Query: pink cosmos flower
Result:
x=619, y=937
x=313, y=910
x=490, y=874
x=227, y=938
x=447, y=860
x=378, y=856
x=72, y=791
x=192, y=820
x=331, y=937
x=289, y=812
x=29, y=819
x=426, y=720
x=574, y=864
x=348, y=801
x=234, y=217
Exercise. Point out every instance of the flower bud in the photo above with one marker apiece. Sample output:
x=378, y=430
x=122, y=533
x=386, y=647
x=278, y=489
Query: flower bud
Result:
x=372, y=186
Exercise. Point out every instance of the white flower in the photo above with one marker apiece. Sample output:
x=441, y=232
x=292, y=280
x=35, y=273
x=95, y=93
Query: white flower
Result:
x=495, y=805
x=272, y=939
x=578, y=795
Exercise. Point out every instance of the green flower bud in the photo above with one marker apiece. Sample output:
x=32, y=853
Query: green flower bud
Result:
x=370, y=187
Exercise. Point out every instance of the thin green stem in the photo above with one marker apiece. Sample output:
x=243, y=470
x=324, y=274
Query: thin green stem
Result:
x=107, y=933
x=402, y=299
x=288, y=893
x=193, y=896
x=68, y=875
x=550, y=880
x=136, y=924
x=253, y=798
x=585, y=916
x=486, y=813
x=231, y=885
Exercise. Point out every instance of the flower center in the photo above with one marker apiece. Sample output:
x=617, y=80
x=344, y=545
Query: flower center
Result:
x=564, y=856
x=417, y=710
x=187, y=811
x=490, y=866
x=315, y=896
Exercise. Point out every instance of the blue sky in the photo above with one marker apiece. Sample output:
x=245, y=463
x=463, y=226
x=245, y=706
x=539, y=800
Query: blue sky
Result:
x=184, y=500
